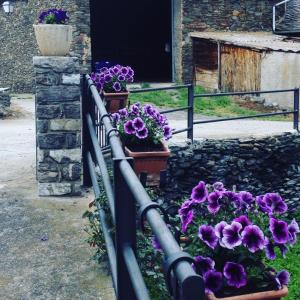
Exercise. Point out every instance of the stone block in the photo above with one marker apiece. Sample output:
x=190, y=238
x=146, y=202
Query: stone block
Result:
x=72, y=111
x=72, y=140
x=48, y=111
x=47, y=176
x=59, y=64
x=71, y=172
x=42, y=126
x=60, y=156
x=49, y=78
x=55, y=189
x=52, y=141
x=70, y=79
x=65, y=124
x=52, y=94
x=47, y=164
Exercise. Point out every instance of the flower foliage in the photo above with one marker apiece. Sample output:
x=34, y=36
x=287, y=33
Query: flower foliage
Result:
x=142, y=125
x=113, y=79
x=54, y=16
x=232, y=234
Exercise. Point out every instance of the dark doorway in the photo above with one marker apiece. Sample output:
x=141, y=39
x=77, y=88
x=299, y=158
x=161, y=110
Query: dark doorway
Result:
x=135, y=33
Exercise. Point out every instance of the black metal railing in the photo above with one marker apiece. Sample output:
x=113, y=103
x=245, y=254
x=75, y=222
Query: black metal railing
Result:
x=123, y=195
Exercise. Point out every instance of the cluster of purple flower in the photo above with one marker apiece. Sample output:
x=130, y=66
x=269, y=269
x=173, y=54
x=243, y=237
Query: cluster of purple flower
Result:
x=142, y=122
x=114, y=79
x=54, y=16
x=240, y=221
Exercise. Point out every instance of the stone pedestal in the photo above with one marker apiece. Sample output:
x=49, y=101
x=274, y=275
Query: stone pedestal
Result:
x=4, y=103
x=58, y=125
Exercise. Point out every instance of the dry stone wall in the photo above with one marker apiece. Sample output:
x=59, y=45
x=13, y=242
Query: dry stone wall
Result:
x=58, y=124
x=258, y=165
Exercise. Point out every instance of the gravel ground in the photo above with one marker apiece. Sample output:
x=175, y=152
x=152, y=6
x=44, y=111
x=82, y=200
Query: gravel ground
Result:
x=43, y=253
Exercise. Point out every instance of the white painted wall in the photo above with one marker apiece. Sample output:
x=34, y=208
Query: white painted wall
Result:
x=280, y=70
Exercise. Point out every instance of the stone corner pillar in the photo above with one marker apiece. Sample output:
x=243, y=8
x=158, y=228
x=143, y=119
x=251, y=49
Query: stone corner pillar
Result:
x=58, y=125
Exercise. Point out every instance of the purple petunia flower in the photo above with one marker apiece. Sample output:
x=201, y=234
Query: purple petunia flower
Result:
x=124, y=71
x=148, y=109
x=246, y=197
x=142, y=134
x=218, y=187
x=138, y=124
x=283, y=249
x=117, y=86
x=232, y=235
x=269, y=249
x=128, y=127
x=243, y=220
x=155, y=243
x=253, y=238
x=282, y=278
x=130, y=72
x=186, y=220
x=135, y=109
x=103, y=69
x=235, y=274
x=208, y=236
x=185, y=207
x=115, y=117
x=279, y=230
x=213, y=202
x=233, y=197
x=293, y=229
x=275, y=203
x=203, y=264
x=107, y=78
x=123, y=112
x=199, y=192
x=263, y=205
x=167, y=132
x=212, y=281
x=121, y=78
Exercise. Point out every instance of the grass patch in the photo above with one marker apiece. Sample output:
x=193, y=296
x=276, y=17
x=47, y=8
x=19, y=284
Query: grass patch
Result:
x=221, y=106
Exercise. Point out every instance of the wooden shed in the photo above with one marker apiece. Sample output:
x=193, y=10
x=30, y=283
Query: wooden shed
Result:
x=243, y=61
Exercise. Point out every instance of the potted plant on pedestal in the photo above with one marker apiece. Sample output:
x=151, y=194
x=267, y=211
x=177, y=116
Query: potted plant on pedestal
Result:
x=53, y=35
x=144, y=131
x=112, y=84
x=232, y=236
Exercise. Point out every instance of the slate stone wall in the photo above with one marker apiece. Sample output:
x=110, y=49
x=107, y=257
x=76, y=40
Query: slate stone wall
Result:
x=58, y=117
x=18, y=44
x=258, y=165
x=4, y=104
x=221, y=15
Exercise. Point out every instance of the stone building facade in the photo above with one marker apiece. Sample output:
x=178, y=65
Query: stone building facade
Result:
x=18, y=46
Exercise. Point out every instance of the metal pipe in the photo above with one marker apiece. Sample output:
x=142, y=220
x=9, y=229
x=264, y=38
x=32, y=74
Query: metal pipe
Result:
x=174, y=110
x=135, y=274
x=246, y=117
x=102, y=166
x=180, y=130
x=175, y=87
x=102, y=219
x=296, y=109
x=242, y=93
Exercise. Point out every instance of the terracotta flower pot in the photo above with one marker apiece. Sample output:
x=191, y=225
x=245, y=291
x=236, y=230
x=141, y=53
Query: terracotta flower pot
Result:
x=115, y=101
x=151, y=163
x=268, y=295
x=53, y=39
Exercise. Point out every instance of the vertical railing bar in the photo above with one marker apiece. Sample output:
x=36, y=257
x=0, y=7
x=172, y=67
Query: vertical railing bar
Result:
x=296, y=109
x=190, y=119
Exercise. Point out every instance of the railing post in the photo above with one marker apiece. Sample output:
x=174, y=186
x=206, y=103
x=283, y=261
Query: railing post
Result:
x=86, y=140
x=125, y=211
x=296, y=109
x=190, y=120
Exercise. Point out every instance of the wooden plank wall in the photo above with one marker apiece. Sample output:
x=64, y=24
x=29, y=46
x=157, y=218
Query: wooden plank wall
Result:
x=240, y=69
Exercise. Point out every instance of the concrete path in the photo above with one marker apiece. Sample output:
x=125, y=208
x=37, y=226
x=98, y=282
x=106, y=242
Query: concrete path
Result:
x=43, y=253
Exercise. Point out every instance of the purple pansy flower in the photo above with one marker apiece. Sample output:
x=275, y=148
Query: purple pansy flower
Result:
x=235, y=274
x=142, y=134
x=253, y=238
x=208, y=236
x=212, y=281
x=203, y=264
x=186, y=220
x=279, y=230
x=138, y=124
x=293, y=229
x=232, y=235
x=243, y=220
x=213, y=202
x=128, y=127
x=269, y=249
x=199, y=192
x=282, y=278
x=117, y=86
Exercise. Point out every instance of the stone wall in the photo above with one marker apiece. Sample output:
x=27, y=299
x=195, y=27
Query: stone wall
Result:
x=258, y=165
x=58, y=117
x=4, y=103
x=221, y=15
x=18, y=45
